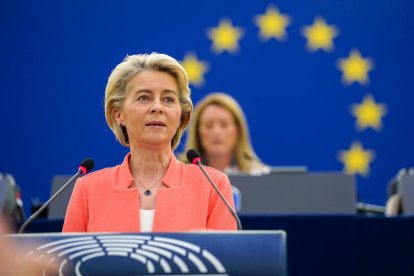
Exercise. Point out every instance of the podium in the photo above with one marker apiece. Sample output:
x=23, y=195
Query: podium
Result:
x=186, y=253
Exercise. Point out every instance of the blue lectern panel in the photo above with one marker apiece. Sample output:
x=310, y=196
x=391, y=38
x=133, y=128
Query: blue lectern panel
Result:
x=196, y=253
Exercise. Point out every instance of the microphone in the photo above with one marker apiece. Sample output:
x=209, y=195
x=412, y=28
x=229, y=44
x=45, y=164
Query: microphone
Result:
x=194, y=157
x=85, y=167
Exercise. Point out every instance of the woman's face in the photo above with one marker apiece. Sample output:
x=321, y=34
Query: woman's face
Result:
x=218, y=130
x=151, y=112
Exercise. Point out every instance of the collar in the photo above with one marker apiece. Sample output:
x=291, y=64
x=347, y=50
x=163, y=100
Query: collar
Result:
x=171, y=178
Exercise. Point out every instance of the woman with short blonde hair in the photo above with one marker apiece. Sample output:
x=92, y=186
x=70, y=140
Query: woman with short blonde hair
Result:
x=115, y=92
x=148, y=106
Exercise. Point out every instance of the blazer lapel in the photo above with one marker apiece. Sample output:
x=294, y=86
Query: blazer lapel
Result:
x=170, y=199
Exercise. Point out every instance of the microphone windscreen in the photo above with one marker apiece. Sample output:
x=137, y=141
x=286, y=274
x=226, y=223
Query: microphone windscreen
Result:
x=192, y=154
x=88, y=164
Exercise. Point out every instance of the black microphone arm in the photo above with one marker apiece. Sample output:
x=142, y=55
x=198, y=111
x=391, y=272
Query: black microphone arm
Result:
x=84, y=168
x=194, y=158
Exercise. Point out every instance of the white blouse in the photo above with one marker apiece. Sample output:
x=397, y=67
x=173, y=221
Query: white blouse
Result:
x=146, y=219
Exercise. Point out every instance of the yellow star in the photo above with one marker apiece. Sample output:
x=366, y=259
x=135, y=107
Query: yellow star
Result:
x=272, y=24
x=356, y=159
x=368, y=113
x=355, y=68
x=225, y=37
x=320, y=35
x=195, y=69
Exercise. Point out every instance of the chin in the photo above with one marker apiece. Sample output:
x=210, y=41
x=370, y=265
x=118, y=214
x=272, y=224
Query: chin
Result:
x=217, y=151
x=156, y=140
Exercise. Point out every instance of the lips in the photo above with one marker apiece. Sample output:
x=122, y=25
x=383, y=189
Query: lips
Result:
x=156, y=123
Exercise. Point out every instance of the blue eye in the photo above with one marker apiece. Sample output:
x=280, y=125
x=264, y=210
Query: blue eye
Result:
x=169, y=100
x=143, y=98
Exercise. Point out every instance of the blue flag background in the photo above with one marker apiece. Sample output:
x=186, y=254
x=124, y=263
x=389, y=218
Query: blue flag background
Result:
x=325, y=84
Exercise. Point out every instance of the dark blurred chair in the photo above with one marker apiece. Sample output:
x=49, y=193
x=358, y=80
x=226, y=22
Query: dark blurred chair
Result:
x=398, y=193
x=11, y=205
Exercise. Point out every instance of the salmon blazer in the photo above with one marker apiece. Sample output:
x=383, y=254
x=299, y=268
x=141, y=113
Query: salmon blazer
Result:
x=103, y=201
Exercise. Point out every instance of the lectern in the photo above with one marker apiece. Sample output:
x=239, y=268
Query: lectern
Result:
x=187, y=253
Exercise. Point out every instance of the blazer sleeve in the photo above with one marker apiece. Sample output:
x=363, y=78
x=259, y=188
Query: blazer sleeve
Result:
x=76, y=219
x=219, y=217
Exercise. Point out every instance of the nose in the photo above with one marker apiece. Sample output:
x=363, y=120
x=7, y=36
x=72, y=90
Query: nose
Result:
x=216, y=129
x=156, y=107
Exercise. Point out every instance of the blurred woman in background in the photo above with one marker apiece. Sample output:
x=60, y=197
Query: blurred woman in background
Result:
x=219, y=132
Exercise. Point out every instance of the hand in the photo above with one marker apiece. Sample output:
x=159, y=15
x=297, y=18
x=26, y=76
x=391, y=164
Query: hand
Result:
x=13, y=262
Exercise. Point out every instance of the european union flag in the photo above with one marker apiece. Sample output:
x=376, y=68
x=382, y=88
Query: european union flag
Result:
x=325, y=84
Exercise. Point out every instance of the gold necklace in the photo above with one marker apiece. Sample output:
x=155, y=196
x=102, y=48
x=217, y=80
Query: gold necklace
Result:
x=147, y=191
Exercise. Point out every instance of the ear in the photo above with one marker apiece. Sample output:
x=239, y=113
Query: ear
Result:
x=118, y=117
x=181, y=119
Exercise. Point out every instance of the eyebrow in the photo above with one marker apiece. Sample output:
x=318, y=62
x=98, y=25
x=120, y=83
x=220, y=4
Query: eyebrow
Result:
x=149, y=91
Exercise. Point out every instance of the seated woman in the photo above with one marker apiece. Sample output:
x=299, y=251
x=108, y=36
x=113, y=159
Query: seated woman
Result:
x=148, y=107
x=219, y=132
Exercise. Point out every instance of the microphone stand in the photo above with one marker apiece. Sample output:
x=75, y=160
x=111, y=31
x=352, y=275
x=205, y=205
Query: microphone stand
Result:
x=36, y=214
x=233, y=213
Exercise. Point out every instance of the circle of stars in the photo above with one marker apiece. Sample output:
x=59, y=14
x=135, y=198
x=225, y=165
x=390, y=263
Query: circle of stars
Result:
x=320, y=35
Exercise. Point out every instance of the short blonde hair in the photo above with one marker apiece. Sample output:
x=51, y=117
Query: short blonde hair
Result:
x=115, y=92
x=244, y=155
